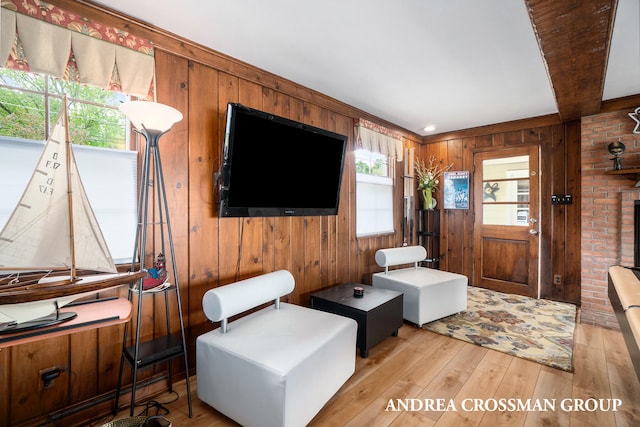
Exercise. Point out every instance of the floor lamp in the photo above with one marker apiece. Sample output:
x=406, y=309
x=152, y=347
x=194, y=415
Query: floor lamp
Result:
x=152, y=120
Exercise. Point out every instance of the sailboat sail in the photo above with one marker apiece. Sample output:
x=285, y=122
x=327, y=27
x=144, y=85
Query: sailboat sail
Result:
x=39, y=234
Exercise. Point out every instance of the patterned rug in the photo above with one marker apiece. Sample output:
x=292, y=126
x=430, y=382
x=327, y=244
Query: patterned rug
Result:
x=533, y=329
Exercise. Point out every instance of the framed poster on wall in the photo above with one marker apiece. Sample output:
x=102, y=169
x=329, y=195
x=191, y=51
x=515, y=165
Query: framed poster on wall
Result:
x=456, y=189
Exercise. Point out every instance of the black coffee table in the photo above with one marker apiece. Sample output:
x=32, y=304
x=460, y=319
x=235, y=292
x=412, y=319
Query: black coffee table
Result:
x=378, y=312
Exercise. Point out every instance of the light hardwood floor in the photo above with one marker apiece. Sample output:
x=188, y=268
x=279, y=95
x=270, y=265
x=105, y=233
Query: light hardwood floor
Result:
x=423, y=365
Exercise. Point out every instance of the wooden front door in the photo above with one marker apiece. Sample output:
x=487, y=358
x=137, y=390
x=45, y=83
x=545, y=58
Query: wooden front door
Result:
x=506, y=220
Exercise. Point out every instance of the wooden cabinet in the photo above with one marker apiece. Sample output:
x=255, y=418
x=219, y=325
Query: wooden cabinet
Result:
x=429, y=235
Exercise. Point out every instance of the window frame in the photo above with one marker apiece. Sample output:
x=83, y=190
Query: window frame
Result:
x=127, y=157
x=383, y=209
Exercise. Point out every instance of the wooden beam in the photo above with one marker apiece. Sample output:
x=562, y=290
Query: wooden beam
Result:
x=574, y=38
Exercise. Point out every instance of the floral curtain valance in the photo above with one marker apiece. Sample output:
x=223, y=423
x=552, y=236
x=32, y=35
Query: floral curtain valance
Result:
x=42, y=38
x=379, y=139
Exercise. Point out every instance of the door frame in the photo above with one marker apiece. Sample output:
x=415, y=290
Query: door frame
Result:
x=517, y=233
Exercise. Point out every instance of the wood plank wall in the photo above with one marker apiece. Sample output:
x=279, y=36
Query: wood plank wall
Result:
x=559, y=225
x=210, y=251
x=319, y=251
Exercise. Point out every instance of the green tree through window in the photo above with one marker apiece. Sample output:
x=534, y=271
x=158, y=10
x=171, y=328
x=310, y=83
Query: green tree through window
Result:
x=29, y=105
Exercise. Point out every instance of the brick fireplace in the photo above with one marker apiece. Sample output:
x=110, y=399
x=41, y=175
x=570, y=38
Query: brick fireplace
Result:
x=607, y=210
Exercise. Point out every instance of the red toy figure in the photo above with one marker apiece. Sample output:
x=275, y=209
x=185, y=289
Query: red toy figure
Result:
x=158, y=274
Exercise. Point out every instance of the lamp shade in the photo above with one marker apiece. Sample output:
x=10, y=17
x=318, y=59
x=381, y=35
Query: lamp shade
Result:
x=150, y=115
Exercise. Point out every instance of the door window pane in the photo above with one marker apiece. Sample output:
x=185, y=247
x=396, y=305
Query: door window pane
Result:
x=505, y=186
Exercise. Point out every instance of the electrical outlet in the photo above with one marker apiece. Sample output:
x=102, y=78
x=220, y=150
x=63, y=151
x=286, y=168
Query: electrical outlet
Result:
x=557, y=279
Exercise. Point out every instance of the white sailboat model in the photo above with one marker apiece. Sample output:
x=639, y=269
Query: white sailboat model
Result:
x=53, y=231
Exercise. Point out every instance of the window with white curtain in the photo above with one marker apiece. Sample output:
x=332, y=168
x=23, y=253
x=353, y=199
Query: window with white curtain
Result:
x=30, y=106
x=374, y=194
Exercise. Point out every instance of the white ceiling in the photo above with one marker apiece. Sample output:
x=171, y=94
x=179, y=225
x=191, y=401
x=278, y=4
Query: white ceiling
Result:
x=455, y=64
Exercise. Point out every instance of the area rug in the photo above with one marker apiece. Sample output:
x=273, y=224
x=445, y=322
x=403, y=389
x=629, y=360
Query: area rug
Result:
x=533, y=329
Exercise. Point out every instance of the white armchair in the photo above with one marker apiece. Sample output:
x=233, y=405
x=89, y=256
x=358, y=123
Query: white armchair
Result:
x=429, y=294
x=277, y=366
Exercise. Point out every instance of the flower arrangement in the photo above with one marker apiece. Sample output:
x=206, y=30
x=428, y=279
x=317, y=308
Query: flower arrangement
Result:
x=428, y=178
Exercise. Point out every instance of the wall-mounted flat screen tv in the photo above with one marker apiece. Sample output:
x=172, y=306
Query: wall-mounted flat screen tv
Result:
x=273, y=166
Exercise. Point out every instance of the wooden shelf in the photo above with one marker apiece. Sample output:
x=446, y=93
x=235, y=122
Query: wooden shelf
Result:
x=91, y=314
x=634, y=171
x=633, y=174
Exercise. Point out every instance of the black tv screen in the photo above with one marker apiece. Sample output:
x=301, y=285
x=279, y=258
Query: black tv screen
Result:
x=273, y=166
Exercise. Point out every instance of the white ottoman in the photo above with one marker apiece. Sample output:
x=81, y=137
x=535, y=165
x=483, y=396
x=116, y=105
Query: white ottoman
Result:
x=274, y=367
x=428, y=294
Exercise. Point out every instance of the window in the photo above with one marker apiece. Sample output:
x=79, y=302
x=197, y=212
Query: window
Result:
x=374, y=194
x=505, y=184
x=29, y=105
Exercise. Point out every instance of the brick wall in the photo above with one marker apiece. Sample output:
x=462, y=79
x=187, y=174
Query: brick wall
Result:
x=607, y=210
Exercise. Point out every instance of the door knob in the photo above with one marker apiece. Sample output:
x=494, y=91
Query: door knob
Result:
x=533, y=231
